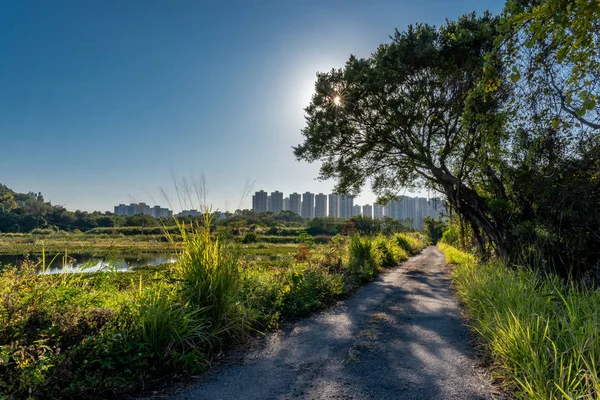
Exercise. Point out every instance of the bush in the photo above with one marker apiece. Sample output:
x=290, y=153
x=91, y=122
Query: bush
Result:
x=81, y=335
x=250, y=237
x=450, y=236
x=363, y=259
x=43, y=231
x=411, y=243
x=309, y=291
x=388, y=251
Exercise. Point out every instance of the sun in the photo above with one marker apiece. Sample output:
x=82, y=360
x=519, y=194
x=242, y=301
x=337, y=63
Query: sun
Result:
x=337, y=100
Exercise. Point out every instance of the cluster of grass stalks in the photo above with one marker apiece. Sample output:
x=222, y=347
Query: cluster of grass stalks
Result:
x=542, y=332
x=92, y=334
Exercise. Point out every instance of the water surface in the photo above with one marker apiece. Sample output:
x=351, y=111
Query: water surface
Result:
x=90, y=263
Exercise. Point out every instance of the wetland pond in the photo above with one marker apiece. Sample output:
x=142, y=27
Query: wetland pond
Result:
x=90, y=262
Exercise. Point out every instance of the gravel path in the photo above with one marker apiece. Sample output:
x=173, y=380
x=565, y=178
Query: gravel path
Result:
x=400, y=337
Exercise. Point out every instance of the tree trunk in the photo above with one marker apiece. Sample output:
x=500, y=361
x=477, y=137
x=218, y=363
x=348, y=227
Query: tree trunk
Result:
x=475, y=210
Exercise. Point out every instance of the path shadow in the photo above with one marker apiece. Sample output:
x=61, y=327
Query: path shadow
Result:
x=400, y=337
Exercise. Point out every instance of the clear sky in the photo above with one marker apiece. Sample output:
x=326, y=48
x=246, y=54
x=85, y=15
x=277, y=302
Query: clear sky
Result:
x=101, y=100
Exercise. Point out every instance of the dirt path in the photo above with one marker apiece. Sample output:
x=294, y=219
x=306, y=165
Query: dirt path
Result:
x=400, y=337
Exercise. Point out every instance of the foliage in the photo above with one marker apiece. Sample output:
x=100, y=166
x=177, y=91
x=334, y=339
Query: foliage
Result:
x=208, y=270
x=401, y=119
x=410, y=243
x=363, y=259
x=388, y=251
x=548, y=176
x=542, y=332
x=97, y=334
x=450, y=236
x=250, y=237
x=434, y=229
x=552, y=47
x=497, y=113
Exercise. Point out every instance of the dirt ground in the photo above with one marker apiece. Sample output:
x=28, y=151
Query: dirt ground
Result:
x=399, y=337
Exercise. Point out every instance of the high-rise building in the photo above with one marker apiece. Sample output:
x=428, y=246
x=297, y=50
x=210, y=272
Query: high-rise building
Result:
x=334, y=205
x=356, y=209
x=377, y=211
x=346, y=203
x=286, y=204
x=142, y=208
x=437, y=206
x=408, y=210
x=413, y=210
x=422, y=211
x=259, y=201
x=160, y=212
x=276, y=201
x=121, y=209
x=188, y=213
x=296, y=203
x=134, y=209
x=308, y=205
x=320, y=205
x=367, y=211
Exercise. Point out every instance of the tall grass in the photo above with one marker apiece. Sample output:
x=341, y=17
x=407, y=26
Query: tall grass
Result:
x=542, y=333
x=411, y=243
x=209, y=272
x=364, y=261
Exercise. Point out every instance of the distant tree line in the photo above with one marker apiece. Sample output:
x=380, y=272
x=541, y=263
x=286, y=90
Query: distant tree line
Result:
x=29, y=212
x=24, y=212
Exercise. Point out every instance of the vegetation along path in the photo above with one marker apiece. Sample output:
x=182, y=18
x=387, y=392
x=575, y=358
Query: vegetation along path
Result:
x=401, y=336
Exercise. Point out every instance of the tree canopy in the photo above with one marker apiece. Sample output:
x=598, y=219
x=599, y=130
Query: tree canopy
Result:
x=500, y=114
x=399, y=118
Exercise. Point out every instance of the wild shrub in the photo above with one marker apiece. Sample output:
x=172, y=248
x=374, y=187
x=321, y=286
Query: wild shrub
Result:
x=363, y=259
x=250, y=237
x=171, y=329
x=334, y=255
x=388, y=251
x=261, y=292
x=411, y=243
x=303, y=253
x=308, y=291
x=450, y=236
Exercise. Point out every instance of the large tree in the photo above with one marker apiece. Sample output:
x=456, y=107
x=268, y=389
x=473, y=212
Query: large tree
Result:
x=411, y=115
x=551, y=50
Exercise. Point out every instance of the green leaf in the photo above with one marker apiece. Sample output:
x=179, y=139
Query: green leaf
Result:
x=562, y=54
x=515, y=76
x=589, y=104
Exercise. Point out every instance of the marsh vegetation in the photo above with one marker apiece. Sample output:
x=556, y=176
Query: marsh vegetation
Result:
x=96, y=334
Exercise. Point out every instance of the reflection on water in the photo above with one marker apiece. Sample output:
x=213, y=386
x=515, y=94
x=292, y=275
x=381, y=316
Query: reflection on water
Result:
x=91, y=263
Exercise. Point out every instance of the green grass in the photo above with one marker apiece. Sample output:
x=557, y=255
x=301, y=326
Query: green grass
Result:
x=91, y=335
x=542, y=333
x=85, y=244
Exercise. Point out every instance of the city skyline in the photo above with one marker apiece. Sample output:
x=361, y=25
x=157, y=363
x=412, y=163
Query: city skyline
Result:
x=310, y=205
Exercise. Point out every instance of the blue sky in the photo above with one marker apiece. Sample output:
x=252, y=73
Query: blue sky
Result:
x=100, y=101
